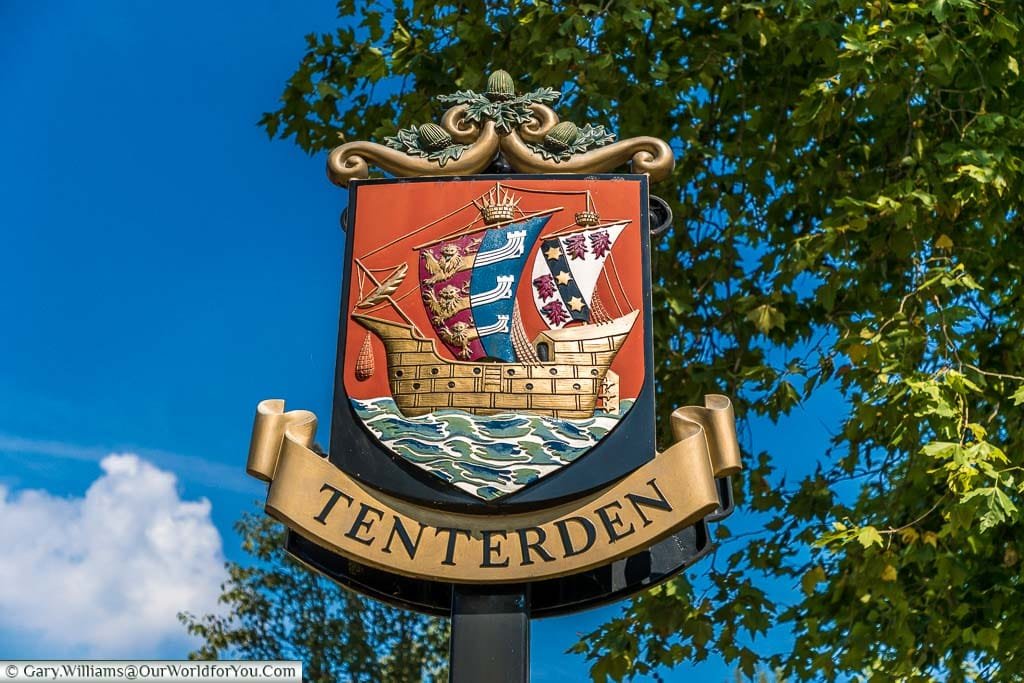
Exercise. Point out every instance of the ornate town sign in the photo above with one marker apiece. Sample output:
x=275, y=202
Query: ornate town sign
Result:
x=495, y=397
x=478, y=348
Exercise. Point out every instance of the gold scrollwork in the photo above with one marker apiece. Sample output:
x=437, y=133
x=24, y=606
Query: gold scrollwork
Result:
x=462, y=129
x=351, y=160
x=540, y=124
x=646, y=154
x=526, y=132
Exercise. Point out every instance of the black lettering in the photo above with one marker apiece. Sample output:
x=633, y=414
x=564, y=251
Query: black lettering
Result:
x=397, y=529
x=453, y=534
x=537, y=546
x=563, y=531
x=611, y=522
x=638, y=501
x=361, y=523
x=490, y=549
x=331, y=502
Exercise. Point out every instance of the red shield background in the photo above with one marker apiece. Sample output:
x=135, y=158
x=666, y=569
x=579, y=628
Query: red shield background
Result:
x=390, y=220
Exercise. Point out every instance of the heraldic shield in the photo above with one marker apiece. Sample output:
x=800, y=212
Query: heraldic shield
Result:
x=495, y=338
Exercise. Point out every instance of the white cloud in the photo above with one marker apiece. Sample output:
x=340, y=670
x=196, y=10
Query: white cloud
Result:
x=106, y=574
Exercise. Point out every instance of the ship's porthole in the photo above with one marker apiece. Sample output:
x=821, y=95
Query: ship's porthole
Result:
x=553, y=371
x=398, y=373
x=529, y=387
x=576, y=386
x=476, y=371
x=511, y=371
x=415, y=385
x=594, y=372
x=451, y=385
x=433, y=371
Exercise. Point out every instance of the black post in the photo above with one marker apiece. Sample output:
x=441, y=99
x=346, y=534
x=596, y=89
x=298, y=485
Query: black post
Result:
x=490, y=634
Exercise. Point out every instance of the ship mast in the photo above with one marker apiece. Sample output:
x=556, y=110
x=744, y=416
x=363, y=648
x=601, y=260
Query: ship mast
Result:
x=496, y=209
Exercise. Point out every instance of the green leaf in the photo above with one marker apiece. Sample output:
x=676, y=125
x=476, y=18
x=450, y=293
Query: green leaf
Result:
x=811, y=579
x=868, y=536
x=847, y=201
x=766, y=318
x=857, y=352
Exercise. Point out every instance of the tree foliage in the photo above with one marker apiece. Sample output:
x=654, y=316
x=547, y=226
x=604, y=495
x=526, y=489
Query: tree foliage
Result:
x=278, y=610
x=848, y=219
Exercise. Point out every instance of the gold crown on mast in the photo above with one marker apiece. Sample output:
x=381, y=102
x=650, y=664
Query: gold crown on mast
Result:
x=498, y=205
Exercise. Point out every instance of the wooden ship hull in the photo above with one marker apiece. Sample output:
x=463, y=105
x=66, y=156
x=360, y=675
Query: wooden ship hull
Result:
x=565, y=385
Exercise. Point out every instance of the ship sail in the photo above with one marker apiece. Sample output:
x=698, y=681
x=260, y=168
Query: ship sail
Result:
x=469, y=283
x=566, y=270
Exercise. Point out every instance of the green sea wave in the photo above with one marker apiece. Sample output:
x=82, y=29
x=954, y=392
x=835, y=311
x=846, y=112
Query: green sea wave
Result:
x=488, y=456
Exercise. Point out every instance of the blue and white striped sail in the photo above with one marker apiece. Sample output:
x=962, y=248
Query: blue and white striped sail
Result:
x=497, y=267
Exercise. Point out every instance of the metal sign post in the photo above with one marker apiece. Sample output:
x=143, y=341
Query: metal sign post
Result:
x=490, y=639
x=492, y=454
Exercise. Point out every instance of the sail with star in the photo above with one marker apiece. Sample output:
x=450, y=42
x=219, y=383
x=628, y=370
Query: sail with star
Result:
x=566, y=270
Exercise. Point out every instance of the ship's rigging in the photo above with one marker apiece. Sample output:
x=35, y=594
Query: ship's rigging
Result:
x=466, y=278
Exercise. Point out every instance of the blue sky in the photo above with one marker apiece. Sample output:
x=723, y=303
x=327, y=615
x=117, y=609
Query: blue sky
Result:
x=157, y=252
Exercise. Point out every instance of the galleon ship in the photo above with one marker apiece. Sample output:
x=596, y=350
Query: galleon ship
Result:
x=468, y=282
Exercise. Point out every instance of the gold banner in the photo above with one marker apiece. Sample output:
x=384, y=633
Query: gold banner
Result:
x=319, y=501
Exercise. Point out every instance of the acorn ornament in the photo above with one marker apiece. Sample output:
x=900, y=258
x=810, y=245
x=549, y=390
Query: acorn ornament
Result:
x=433, y=136
x=500, y=86
x=562, y=136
